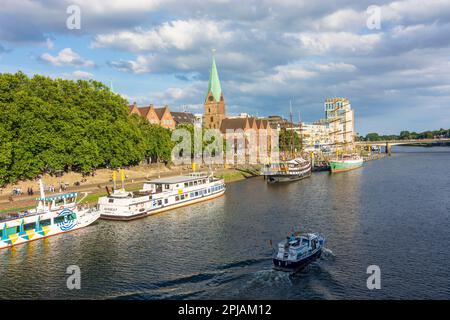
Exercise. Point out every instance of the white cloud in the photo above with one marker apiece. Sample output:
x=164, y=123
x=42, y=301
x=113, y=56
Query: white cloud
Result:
x=179, y=34
x=79, y=74
x=67, y=57
x=319, y=43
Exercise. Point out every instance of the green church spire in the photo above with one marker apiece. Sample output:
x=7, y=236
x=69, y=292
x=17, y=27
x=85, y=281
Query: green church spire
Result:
x=214, y=82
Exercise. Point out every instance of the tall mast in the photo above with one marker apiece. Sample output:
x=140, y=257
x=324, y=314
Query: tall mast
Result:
x=292, y=129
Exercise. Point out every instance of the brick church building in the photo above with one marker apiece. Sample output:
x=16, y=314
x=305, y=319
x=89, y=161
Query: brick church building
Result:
x=215, y=116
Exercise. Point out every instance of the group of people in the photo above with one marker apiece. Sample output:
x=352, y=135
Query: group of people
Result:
x=30, y=191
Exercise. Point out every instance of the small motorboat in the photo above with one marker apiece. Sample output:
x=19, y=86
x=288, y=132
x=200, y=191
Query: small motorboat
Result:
x=297, y=251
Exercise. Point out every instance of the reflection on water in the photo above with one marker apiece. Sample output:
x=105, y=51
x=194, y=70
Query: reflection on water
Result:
x=393, y=212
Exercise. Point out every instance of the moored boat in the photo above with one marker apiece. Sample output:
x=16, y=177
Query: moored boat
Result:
x=53, y=215
x=160, y=195
x=347, y=163
x=297, y=251
x=284, y=171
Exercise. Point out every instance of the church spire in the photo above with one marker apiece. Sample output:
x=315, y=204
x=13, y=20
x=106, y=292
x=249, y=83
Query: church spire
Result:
x=214, y=82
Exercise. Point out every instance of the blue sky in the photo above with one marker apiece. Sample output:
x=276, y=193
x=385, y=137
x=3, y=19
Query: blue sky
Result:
x=396, y=76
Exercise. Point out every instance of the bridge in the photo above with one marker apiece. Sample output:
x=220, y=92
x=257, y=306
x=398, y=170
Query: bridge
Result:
x=389, y=143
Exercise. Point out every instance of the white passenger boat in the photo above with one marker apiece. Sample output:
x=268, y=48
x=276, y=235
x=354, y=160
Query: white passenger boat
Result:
x=160, y=195
x=53, y=215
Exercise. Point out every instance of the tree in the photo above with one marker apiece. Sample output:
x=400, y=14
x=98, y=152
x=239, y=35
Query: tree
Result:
x=285, y=140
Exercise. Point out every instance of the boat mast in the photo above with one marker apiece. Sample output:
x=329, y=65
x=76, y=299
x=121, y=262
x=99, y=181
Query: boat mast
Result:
x=292, y=129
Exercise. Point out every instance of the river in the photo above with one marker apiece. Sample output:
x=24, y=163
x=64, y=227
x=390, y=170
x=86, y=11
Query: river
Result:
x=393, y=213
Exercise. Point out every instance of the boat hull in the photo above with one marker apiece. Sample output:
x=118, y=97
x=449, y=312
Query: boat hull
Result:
x=49, y=231
x=287, y=177
x=342, y=166
x=293, y=266
x=162, y=209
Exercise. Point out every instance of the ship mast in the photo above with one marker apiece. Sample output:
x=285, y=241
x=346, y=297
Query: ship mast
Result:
x=292, y=129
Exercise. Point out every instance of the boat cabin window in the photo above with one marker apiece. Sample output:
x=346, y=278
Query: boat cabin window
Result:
x=305, y=242
x=195, y=182
x=167, y=186
x=29, y=226
x=191, y=184
x=159, y=202
x=177, y=198
x=186, y=184
x=12, y=230
x=166, y=201
x=110, y=200
x=59, y=219
x=182, y=197
x=45, y=222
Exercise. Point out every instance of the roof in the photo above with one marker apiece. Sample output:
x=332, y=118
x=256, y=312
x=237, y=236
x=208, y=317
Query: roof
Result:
x=160, y=111
x=233, y=123
x=183, y=117
x=176, y=179
x=59, y=196
x=145, y=110
x=214, y=82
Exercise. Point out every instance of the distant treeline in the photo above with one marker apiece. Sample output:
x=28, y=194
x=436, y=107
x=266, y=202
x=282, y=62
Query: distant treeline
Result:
x=406, y=135
x=54, y=125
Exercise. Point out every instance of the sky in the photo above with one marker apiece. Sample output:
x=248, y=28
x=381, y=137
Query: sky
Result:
x=390, y=58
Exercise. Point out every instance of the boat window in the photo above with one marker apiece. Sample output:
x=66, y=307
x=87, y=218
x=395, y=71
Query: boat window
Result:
x=177, y=198
x=191, y=184
x=1, y=233
x=195, y=182
x=182, y=197
x=186, y=184
x=209, y=190
x=159, y=202
x=111, y=200
x=45, y=222
x=58, y=219
x=12, y=230
x=29, y=226
x=167, y=186
x=166, y=200
x=204, y=180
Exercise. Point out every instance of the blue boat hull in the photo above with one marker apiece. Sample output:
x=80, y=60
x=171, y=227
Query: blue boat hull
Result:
x=292, y=266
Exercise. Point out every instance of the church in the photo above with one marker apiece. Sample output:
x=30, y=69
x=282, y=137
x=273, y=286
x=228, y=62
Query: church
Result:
x=215, y=117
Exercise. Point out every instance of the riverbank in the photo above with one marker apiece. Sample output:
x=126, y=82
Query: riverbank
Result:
x=95, y=187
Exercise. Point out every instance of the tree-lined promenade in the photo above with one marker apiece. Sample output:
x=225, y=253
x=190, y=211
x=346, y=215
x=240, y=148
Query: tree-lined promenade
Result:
x=54, y=125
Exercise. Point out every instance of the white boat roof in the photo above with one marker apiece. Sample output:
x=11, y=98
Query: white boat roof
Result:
x=176, y=179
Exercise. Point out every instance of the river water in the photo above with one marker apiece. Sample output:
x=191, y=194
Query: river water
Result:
x=393, y=213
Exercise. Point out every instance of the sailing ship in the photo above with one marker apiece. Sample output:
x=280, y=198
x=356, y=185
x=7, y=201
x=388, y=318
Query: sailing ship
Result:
x=297, y=251
x=346, y=163
x=293, y=169
x=56, y=214
x=290, y=170
x=159, y=195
